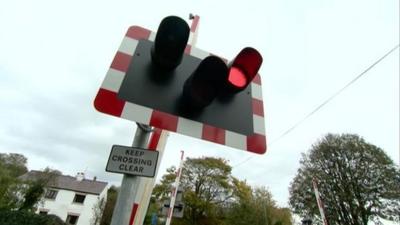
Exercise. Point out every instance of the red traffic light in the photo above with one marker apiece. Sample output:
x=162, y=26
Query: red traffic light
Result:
x=243, y=69
x=170, y=42
x=213, y=77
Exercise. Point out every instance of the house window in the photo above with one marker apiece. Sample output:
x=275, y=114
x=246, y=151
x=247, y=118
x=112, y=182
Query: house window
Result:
x=79, y=198
x=43, y=212
x=51, y=194
x=72, y=219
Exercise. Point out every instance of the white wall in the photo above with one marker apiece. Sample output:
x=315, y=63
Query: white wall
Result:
x=63, y=205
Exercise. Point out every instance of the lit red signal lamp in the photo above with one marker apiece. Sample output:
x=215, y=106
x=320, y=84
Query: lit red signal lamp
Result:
x=243, y=69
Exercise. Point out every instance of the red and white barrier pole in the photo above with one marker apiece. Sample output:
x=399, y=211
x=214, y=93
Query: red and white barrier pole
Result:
x=174, y=191
x=320, y=203
x=194, y=29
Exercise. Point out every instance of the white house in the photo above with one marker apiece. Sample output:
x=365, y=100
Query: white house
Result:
x=71, y=198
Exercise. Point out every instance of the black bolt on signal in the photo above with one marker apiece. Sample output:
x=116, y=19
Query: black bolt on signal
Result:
x=170, y=42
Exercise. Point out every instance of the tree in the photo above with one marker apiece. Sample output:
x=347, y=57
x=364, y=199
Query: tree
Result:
x=153, y=208
x=206, y=184
x=98, y=210
x=11, y=167
x=33, y=188
x=162, y=190
x=17, y=193
x=212, y=196
x=107, y=213
x=357, y=181
x=255, y=206
x=13, y=163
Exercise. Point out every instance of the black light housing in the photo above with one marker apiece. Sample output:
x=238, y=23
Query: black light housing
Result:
x=170, y=42
x=205, y=82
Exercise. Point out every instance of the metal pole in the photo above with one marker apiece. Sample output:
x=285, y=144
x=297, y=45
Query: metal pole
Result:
x=130, y=184
x=157, y=142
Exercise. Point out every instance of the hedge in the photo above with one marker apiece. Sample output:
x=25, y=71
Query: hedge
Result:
x=8, y=217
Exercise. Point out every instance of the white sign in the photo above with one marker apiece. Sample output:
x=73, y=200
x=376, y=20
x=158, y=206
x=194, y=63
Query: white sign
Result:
x=178, y=208
x=132, y=160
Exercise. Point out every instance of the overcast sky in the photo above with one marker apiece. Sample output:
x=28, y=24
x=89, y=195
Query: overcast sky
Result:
x=55, y=54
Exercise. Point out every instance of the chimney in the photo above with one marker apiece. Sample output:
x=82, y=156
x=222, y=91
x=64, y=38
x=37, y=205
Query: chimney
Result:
x=80, y=176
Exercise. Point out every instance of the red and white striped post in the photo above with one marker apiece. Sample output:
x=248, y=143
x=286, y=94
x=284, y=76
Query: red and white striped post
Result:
x=174, y=191
x=194, y=29
x=320, y=203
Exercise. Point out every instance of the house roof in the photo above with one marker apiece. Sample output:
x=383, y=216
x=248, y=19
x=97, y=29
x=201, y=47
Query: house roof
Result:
x=69, y=183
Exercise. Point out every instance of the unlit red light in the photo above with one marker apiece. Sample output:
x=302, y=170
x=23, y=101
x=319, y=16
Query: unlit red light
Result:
x=237, y=77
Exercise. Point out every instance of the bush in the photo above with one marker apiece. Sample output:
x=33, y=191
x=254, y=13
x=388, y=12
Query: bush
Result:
x=28, y=218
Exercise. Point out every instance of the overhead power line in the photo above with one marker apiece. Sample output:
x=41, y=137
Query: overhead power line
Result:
x=325, y=102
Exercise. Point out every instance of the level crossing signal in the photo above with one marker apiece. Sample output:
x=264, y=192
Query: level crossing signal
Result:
x=209, y=78
x=188, y=90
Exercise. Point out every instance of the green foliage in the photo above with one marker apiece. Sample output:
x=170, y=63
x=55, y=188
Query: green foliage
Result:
x=21, y=194
x=207, y=184
x=358, y=182
x=162, y=190
x=212, y=196
x=32, y=195
x=255, y=206
x=11, y=166
x=153, y=208
x=107, y=213
x=98, y=210
x=8, y=217
x=34, y=188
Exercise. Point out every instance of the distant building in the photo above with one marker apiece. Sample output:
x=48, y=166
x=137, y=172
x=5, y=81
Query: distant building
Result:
x=71, y=198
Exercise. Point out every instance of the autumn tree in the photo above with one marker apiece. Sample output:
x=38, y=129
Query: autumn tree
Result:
x=357, y=181
x=212, y=196
x=255, y=206
x=206, y=183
